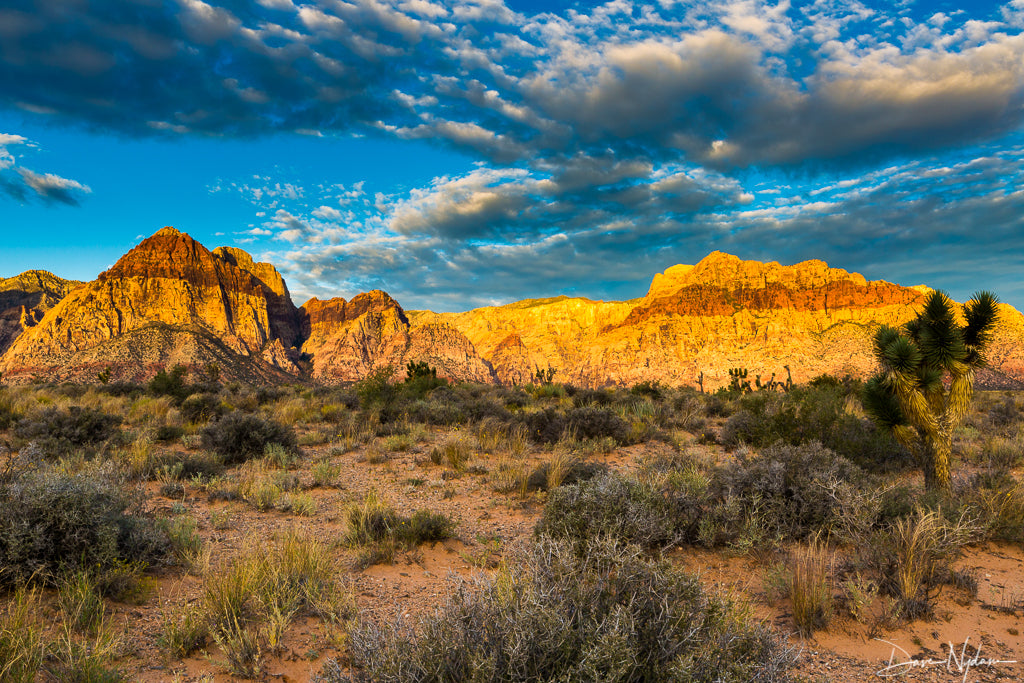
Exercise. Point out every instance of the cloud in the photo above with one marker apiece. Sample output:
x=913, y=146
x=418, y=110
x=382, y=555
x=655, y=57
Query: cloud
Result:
x=611, y=141
x=24, y=184
x=53, y=188
x=729, y=85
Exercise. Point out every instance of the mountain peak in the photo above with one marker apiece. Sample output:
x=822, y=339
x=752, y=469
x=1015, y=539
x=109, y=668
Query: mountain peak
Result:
x=719, y=269
x=168, y=231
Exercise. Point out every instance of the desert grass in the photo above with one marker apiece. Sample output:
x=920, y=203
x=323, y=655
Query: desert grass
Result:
x=810, y=588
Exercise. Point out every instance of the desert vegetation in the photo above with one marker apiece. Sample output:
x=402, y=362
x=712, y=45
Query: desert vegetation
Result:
x=412, y=529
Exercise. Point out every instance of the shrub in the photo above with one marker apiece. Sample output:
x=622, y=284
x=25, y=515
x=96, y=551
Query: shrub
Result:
x=786, y=485
x=171, y=383
x=375, y=391
x=239, y=437
x=609, y=505
x=168, y=433
x=201, y=408
x=612, y=614
x=54, y=521
x=60, y=432
x=420, y=379
x=819, y=414
x=376, y=524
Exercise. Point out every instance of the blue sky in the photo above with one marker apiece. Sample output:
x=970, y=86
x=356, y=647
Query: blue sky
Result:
x=474, y=152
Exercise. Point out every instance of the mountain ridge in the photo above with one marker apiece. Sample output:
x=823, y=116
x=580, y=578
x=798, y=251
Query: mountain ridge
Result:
x=693, y=324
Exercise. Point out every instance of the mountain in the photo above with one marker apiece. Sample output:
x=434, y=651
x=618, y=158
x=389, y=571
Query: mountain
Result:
x=170, y=300
x=25, y=298
x=349, y=339
x=698, y=321
x=173, y=288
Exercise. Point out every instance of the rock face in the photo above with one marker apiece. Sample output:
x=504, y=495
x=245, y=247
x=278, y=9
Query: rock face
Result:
x=24, y=300
x=171, y=280
x=347, y=340
x=703, y=319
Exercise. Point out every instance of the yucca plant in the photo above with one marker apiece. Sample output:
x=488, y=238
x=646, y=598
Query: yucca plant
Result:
x=926, y=380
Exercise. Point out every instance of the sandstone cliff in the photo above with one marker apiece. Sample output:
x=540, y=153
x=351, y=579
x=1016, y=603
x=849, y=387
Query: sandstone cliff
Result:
x=25, y=298
x=349, y=339
x=168, y=279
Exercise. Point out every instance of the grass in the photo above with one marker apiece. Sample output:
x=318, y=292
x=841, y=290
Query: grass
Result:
x=22, y=639
x=378, y=531
x=810, y=588
x=249, y=604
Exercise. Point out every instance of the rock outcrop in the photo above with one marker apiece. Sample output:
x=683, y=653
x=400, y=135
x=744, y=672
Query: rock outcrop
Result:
x=348, y=340
x=172, y=280
x=25, y=298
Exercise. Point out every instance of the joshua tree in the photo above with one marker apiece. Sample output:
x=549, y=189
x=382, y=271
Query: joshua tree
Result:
x=926, y=380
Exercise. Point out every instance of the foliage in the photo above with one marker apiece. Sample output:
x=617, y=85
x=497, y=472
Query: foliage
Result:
x=52, y=521
x=420, y=379
x=556, y=615
x=238, y=437
x=201, y=407
x=908, y=394
x=59, y=432
x=171, y=383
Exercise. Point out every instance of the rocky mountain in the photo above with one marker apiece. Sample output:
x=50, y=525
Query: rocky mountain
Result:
x=347, y=340
x=170, y=300
x=698, y=321
x=172, y=283
x=25, y=298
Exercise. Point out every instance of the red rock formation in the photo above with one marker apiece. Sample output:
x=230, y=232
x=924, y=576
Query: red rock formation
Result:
x=170, y=279
x=349, y=339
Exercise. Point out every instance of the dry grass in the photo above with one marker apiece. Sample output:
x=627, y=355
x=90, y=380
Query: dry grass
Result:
x=810, y=588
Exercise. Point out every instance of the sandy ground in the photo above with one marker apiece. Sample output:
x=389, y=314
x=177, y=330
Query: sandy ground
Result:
x=489, y=523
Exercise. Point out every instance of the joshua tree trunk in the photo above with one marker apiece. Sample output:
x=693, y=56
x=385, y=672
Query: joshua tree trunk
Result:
x=937, y=451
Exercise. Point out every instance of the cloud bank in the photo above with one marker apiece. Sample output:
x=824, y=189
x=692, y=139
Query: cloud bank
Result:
x=610, y=141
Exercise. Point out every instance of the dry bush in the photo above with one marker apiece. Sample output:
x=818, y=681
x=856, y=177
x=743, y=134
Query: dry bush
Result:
x=556, y=615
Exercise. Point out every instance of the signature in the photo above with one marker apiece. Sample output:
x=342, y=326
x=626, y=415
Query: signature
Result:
x=955, y=662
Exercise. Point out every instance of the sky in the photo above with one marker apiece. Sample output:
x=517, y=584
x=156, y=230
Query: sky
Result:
x=476, y=152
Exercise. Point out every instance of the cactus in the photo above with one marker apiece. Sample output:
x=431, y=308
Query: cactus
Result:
x=738, y=380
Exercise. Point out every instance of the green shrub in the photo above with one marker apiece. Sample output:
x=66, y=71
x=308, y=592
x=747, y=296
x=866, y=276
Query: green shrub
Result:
x=238, y=437
x=60, y=432
x=612, y=614
x=421, y=379
x=426, y=527
x=168, y=433
x=53, y=521
x=171, y=383
x=201, y=408
x=376, y=524
x=811, y=414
